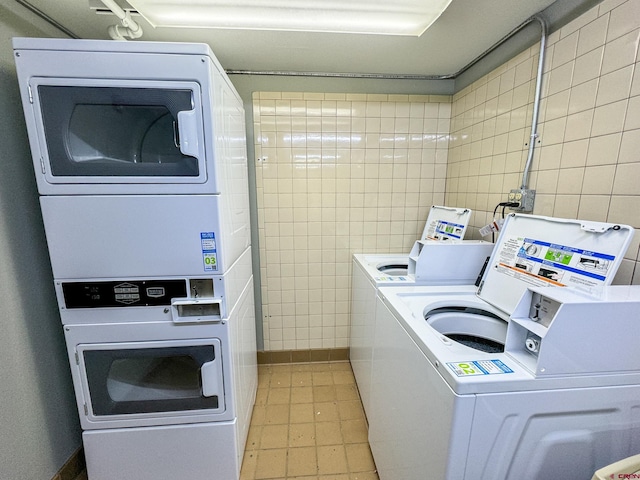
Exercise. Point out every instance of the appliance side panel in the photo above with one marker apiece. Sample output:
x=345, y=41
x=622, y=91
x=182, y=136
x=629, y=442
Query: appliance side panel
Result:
x=230, y=157
x=412, y=409
x=363, y=318
x=244, y=371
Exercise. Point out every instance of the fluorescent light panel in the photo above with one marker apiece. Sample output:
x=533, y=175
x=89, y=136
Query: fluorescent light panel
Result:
x=381, y=17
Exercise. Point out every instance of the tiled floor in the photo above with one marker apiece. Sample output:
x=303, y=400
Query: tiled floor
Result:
x=308, y=424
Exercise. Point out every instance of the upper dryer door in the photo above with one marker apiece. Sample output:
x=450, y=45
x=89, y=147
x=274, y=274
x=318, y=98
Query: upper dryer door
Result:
x=107, y=136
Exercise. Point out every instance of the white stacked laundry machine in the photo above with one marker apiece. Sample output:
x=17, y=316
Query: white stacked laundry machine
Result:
x=140, y=157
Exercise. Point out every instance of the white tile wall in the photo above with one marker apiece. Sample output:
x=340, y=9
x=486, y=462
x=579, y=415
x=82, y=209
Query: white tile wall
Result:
x=586, y=163
x=338, y=174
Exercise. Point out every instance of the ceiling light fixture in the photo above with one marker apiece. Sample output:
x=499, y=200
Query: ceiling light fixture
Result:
x=381, y=17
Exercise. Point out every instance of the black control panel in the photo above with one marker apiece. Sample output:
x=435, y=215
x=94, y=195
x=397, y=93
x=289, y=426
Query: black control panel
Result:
x=130, y=293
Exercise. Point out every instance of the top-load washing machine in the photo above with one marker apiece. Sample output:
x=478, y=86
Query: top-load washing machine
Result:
x=443, y=224
x=439, y=257
x=535, y=376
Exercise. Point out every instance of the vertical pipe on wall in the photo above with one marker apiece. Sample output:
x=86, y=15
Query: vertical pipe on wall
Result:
x=536, y=101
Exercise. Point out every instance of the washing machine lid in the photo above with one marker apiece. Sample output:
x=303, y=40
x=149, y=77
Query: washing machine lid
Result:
x=544, y=251
x=446, y=223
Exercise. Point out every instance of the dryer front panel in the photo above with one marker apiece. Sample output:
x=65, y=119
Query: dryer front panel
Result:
x=147, y=374
x=122, y=236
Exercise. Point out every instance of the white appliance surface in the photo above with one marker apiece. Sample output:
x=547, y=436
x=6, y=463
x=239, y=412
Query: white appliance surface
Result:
x=237, y=363
x=206, y=451
x=443, y=263
x=554, y=402
x=139, y=152
x=451, y=266
x=244, y=364
x=447, y=265
x=140, y=235
x=364, y=288
x=217, y=108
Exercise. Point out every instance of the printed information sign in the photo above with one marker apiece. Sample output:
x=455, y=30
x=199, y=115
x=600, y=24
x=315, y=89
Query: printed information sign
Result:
x=541, y=263
x=479, y=367
x=443, y=230
x=209, y=254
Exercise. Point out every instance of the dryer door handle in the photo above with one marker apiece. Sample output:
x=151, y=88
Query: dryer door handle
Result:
x=188, y=133
x=211, y=373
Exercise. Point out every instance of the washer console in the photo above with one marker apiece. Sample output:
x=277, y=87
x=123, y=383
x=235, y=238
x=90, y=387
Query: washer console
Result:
x=556, y=331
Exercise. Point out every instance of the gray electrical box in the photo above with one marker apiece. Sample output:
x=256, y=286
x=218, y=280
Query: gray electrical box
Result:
x=524, y=197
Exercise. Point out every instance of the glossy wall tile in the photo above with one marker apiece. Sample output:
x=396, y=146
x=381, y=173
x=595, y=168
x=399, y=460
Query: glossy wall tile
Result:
x=586, y=163
x=338, y=174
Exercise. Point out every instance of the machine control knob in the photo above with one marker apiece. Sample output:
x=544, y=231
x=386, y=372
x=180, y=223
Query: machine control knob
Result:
x=532, y=344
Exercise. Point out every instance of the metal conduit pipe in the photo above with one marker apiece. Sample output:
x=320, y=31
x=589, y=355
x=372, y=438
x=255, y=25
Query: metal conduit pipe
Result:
x=129, y=28
x=375, y=76
x=399, y=76
x=536, y=102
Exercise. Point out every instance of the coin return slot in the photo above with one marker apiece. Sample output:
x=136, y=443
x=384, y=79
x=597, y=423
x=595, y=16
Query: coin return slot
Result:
x=196, y=310
x=199, y=310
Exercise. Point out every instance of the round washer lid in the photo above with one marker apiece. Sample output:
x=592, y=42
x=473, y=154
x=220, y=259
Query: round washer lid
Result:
x=544, y=251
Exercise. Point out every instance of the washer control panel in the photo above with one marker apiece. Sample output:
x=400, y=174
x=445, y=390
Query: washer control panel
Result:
x=558, y=331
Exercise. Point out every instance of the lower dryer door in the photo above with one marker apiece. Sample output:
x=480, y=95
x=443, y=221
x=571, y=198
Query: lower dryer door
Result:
x=141, y=383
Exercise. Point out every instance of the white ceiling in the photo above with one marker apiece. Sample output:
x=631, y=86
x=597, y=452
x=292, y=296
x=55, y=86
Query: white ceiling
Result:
x=464, y=31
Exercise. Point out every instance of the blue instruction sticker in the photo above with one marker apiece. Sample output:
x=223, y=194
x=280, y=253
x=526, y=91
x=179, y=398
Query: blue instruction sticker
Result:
x=209, y=254
x=449, y=229
x=478, y=367
x=391, y=279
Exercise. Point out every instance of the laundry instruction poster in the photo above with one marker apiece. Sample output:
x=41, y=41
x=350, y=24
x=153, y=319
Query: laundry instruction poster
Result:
x=443, y=230
x=542, y=263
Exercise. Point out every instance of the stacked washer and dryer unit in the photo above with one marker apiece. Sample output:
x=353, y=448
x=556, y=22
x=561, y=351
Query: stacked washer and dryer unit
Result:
x=140, y=157
x=534, y=376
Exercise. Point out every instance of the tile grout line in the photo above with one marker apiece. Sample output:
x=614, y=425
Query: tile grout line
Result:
x=355, y=461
